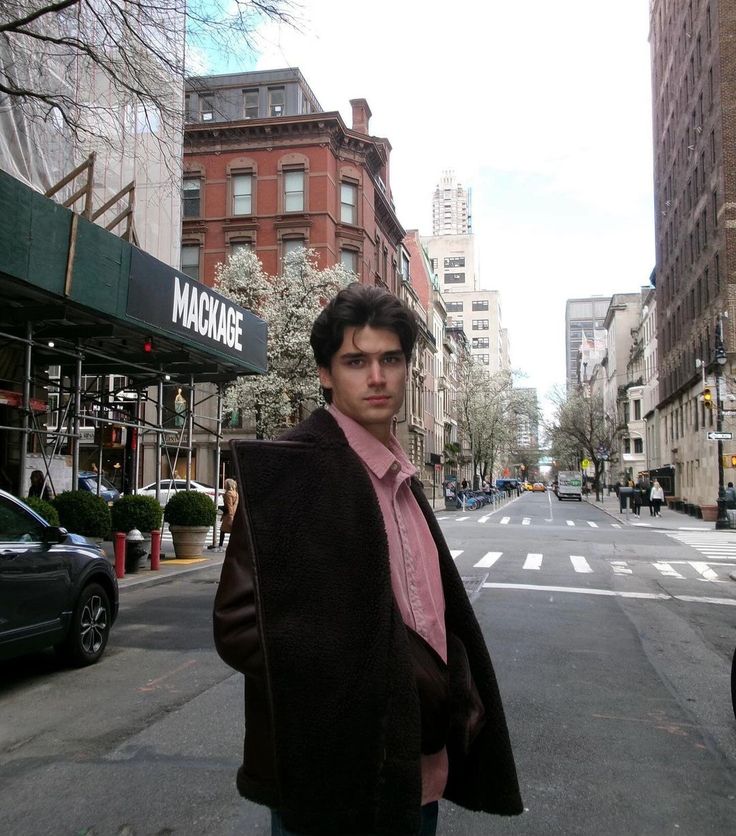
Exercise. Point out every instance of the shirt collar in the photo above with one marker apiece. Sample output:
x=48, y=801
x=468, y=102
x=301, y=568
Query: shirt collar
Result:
x=377, y=457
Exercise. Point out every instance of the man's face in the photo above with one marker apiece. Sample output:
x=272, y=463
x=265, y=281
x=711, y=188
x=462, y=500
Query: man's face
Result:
x=368, y=378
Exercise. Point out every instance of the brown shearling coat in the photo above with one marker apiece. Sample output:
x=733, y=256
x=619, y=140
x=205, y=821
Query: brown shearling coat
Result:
x=305, y=610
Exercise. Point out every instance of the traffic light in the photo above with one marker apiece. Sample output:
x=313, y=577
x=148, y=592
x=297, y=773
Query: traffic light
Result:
x=733, y=461
x=708, y=398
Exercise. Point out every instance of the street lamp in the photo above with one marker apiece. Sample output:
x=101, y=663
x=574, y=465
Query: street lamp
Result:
x=721, y=359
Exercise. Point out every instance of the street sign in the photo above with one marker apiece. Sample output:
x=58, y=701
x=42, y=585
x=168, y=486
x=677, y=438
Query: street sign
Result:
x=714, y=436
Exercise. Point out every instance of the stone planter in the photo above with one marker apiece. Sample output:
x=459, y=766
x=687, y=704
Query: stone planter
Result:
x=189, y=540
x=671, y=500
x=709, y=512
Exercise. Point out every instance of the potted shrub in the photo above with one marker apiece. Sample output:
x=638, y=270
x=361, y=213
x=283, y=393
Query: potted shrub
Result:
x=190, y=515
x=83, y=513
x=43, y=509
x=143, y=513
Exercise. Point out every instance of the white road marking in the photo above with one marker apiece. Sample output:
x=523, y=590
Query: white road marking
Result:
x=666, y=569
x=705, y=570
x=579, y=563
x=533, y=561
x=592, y=524
x=615, y=525
x=611, y=593
x=456, y=553
x=526, y=521
x=696, y=599
x=620, y=567
x=571, y=522
x=505, y=520
x=484, y=519
x=487, y=560
x=461, y=519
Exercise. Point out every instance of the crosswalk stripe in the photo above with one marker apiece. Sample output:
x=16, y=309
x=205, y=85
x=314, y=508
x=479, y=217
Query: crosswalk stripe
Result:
x=455, y=553
x=592, y=524
x=533, y=561
x=484, y=519
x=571, y=522
x=579, y=563
x=505, y=520
x=704, y=570
x=526, y=521
x=666, y=569
x=487, y=560
x=620, y=567
x=615, y=525
x=461, y=519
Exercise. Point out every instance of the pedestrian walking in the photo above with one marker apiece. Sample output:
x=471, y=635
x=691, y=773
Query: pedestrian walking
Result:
x=636, y=501
x=229, y=506
x=656, y=497
x=369, y=691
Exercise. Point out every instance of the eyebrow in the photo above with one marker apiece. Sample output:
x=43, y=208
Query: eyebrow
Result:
x=356, y=355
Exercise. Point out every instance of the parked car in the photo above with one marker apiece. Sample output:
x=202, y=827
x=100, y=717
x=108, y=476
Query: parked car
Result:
x=56, y=589
x=168, y=487
x=87, y=481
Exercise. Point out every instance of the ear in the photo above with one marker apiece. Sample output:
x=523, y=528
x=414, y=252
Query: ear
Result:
x=325, y=378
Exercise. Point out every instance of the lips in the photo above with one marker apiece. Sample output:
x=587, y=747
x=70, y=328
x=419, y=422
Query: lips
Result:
x=378, y=399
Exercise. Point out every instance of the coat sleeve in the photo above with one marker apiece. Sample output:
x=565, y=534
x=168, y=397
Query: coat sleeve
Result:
x=235, y=619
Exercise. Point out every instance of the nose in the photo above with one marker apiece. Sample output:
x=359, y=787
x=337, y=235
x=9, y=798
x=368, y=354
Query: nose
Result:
x=376, y=375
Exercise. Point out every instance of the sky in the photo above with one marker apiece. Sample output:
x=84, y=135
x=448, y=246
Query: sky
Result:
x=542, y=108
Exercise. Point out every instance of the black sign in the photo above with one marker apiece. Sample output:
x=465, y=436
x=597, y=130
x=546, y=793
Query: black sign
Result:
x=162, y=296
x=435, y=458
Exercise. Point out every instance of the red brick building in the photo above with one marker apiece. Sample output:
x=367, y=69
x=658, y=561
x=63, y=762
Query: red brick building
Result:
x=266, y=168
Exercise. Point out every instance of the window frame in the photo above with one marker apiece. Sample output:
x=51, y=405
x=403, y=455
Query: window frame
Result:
x=234, y=177
x=353, y=207
x=286, y=193
x=191, y=178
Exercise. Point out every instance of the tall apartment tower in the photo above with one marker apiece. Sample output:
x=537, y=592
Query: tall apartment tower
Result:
x=693, y=57
x=451, y=213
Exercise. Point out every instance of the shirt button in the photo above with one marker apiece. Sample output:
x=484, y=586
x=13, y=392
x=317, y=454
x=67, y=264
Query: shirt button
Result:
x=394, y=467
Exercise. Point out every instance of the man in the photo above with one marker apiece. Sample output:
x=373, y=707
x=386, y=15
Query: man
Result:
x=730, y=495
x=369, y=692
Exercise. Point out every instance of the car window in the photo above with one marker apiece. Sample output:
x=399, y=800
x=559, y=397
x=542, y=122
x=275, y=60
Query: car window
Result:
x=16, y=526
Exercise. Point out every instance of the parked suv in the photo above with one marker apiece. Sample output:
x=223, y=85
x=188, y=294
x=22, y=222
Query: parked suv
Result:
x=56, y=589
x=87, y=481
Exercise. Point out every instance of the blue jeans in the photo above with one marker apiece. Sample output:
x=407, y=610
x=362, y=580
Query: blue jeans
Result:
x=428, y=825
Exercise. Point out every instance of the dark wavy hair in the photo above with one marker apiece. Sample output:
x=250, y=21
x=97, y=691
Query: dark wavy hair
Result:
x=358, y=305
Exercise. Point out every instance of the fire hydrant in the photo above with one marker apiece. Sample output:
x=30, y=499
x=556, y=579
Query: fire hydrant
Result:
x=135, y=550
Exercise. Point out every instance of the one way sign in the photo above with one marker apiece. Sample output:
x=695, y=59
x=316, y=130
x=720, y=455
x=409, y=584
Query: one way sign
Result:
x=714, y=436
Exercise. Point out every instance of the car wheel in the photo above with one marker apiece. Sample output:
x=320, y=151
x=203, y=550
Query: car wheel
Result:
x=90, y=627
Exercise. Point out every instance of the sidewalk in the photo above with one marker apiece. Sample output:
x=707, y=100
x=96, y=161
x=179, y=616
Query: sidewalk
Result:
x=170, y=566
x=667, y=521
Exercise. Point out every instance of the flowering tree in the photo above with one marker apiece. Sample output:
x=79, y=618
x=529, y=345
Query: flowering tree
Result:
x=289, y=304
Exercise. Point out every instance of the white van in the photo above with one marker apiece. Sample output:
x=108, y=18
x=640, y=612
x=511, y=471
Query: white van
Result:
x=570, y=485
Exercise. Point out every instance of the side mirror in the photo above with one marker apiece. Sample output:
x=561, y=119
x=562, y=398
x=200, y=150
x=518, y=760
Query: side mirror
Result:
x=54, y=534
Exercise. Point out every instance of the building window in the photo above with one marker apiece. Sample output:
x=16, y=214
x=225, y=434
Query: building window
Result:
x=348, y=203
x=455, y=261
x=454, y=307
x=454, y=278
x=294, y=191
x=250, y=104
x=637, y=410
x=206, y=109
x=480, y=305
x=192, y=188
x=291, y=245
x=480, y=342
x=638, y=445
x=627, y=445
x=240, y=247
x=480, y=325
x=276, y=101
x=190, y=260
x=483, y=359
x=349, y=260
x=242, y=193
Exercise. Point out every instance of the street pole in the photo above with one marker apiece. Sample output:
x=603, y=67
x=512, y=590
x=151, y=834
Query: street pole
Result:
x=722, y=519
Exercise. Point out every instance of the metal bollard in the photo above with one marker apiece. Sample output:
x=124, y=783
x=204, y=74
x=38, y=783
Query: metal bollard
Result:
x=119, y=554
x=155, y=550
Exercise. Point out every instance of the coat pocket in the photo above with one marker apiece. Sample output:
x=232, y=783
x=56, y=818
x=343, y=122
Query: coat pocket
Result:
x=433, y=688
x=467, y=714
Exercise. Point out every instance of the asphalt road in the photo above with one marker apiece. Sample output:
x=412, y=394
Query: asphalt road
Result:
x=614, y=669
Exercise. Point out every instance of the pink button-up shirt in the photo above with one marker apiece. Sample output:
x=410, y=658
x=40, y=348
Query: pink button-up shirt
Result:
x=413, y=559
